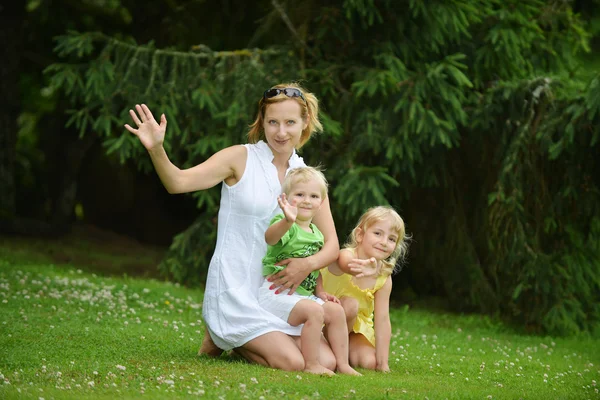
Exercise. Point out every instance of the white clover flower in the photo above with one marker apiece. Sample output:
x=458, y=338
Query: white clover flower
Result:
x=121, y=367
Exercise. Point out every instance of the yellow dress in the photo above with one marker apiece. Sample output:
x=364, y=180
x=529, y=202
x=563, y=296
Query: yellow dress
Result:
x=341, y=286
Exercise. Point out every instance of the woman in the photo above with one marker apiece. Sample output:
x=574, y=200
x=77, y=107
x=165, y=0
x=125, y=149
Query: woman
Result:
x=251, y=177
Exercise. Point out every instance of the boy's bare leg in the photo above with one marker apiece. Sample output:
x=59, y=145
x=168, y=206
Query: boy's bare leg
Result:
x=208, y=347
x=310, y=314
x=337, y=334
x=326, y=357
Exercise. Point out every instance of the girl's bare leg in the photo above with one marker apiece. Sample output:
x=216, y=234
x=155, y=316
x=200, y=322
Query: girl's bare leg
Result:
x=362, y=353
x=350, y=305
x=310, y=314
x=274, y=349
x=337, y=335
x=208, y=347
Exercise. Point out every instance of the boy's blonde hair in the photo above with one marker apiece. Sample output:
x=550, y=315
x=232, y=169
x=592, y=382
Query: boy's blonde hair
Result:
x=374, y=215
x=304, y=174
x=309, y=112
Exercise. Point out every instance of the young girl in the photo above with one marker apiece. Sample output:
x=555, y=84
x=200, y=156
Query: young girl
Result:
x=376, y=244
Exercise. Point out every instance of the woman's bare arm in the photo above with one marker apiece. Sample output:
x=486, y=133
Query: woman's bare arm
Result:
x=226, y=165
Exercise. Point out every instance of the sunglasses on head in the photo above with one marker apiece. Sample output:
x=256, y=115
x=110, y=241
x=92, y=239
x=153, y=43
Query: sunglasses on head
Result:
x=289, y=92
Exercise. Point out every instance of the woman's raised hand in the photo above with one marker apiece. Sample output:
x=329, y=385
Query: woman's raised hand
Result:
x=150, y=133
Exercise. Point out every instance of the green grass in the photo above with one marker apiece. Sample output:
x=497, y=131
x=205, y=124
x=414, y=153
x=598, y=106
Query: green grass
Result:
x=70, y=334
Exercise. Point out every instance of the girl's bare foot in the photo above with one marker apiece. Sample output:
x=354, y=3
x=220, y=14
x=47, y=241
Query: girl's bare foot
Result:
x=318, y=369
x=348, y=370
x=208, y=347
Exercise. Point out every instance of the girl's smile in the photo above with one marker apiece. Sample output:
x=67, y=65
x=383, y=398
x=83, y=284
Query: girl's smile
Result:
x=378, y=240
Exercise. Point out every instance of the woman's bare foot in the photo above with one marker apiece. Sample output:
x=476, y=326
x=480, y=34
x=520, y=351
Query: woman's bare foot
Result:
x=208, y=347
x=318, y=369
x=348, y=370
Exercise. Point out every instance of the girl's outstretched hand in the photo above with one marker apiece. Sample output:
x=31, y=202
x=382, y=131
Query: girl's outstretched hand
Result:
x=290, y=211
x=150, y=133
x=361, y=268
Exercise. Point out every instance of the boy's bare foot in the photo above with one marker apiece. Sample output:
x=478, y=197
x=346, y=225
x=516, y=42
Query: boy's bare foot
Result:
x=348, y=370
x=318, y=369
x=208, y=347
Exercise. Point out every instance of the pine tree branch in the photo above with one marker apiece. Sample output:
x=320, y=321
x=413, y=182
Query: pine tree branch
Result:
x=286, y=20
x=205, y=54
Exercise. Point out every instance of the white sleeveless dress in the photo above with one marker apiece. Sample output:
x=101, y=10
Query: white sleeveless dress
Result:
x=230, y=307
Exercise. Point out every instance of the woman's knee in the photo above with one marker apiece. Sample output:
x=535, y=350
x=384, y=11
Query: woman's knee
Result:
x=278, y=350
x=327, y=359
x=287, y=361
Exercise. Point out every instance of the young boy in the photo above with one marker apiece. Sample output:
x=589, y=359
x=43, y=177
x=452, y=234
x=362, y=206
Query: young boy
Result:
x=293, y=235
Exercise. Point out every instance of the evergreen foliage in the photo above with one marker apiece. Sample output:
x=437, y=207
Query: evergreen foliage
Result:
x=470, y=117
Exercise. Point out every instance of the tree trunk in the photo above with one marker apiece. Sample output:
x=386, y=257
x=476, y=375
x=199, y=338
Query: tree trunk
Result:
x=12, y=17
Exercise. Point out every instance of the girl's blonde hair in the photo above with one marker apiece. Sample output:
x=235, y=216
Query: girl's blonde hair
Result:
x=302, y=175
x=309, y=113
x=373, y=215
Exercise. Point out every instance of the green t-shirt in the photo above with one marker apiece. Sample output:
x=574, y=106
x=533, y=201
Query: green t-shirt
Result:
x=296, y=243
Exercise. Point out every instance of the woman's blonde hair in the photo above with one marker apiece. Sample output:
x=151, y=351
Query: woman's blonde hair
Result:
x=309, y=113
x=373, y=215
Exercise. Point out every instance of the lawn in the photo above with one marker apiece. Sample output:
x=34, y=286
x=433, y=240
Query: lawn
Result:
x=70, y=333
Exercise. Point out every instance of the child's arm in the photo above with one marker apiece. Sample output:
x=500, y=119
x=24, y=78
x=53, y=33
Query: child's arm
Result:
x=276, y=231
x=383, y=326
x=349, y=264
x=298, y=268
x=322, y=294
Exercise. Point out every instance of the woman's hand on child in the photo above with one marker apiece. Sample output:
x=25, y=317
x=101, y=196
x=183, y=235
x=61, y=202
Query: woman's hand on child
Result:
x=150, y=133
x=363, y=267
x=296, y=270
x=290, y=211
